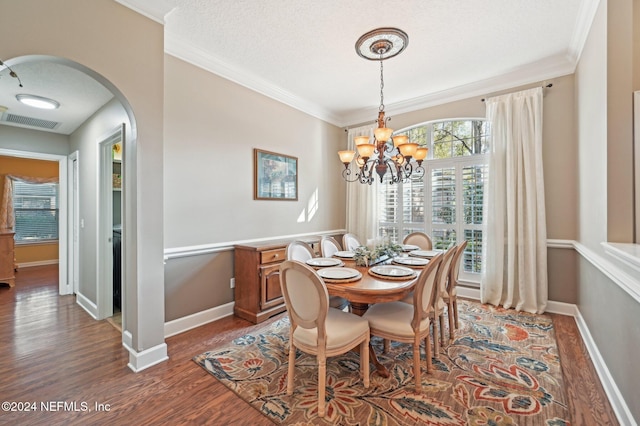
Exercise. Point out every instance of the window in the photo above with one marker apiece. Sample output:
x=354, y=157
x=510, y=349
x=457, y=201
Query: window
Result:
x=447, y=202
x=35, y=206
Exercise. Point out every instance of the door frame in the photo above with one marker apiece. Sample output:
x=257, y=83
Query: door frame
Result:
x=104, y=252
x=74, y=221
x=64, y=286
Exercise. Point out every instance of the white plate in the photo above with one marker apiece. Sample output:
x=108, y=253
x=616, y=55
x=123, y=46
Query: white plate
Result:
x=413, y=261
x=409, y=247
x=425, y=253
x=345, y=254
x=392, y=271
x=338, y=273
x=324, y=261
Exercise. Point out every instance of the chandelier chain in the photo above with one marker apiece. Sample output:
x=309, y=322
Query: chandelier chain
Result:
x=381, y=108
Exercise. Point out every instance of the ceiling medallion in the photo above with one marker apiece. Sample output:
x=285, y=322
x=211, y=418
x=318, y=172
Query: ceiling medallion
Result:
x=381, y=154
x=382, y=43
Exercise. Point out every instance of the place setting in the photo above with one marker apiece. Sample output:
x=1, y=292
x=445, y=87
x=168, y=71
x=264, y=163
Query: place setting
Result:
x=412, y=262
x=339, y=274
x=428, y=254
x=392, y=272
x=324, y=262
x=344, y=254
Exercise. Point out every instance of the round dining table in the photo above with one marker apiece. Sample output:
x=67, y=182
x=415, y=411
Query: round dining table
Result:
x=368, y=290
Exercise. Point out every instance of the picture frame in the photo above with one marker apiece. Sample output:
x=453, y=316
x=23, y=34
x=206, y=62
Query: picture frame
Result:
x=275, y=176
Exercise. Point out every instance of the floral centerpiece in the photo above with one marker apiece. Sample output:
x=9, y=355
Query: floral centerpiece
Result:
x=375, y=253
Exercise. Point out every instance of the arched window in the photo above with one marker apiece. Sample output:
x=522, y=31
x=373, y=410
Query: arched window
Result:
x=447, y=202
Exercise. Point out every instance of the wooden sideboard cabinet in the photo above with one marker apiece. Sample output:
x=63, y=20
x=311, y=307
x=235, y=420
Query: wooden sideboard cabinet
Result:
x=257, y=275
x=7, y=258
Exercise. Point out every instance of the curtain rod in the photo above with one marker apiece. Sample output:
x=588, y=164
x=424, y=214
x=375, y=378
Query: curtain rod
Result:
x=544, y=87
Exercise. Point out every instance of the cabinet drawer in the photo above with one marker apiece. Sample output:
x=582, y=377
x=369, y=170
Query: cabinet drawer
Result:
x=270, y=256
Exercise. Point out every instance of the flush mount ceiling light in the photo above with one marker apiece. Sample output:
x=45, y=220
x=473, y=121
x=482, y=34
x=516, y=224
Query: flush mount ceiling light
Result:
x=38, y=101
x=381, y=154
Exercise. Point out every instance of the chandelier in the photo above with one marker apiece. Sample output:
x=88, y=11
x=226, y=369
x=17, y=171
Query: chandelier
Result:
x=396, y=155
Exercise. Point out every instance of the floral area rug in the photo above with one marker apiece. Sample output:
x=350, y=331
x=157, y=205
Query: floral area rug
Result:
x=501, y=369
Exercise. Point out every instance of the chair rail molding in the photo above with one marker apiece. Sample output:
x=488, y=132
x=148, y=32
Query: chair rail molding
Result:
x=178, y=252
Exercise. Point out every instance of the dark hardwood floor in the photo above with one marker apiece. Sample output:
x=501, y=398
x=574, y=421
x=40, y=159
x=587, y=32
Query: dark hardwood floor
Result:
x=55, y=355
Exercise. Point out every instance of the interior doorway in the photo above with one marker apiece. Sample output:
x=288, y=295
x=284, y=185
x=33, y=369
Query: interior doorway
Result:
x=110, y=259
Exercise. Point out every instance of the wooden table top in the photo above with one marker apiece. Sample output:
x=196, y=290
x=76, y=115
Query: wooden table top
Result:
x=370, y=289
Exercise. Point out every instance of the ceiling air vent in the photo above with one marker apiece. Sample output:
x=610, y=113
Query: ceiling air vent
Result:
x=30, y=121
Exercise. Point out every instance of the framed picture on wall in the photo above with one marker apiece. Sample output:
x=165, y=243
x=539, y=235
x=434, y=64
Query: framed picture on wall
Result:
x=275, y=176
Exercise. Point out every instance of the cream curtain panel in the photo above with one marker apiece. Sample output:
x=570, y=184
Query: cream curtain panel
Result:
x=515, y=250
x=7, y=217
x=362, y=207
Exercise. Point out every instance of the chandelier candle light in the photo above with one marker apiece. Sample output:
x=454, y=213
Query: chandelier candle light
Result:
x=383, y=155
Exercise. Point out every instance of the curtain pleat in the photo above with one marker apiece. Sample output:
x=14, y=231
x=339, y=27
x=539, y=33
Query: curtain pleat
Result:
x=362, y=211
x=515, y=253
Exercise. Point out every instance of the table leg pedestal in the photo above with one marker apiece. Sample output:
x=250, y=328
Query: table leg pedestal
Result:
x=359, y=309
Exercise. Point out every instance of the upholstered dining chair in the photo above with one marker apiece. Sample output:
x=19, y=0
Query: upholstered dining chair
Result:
x=318, y=329
x=437, y=308
x=406, y=323
x=451, y=295
x=301, y=251
x=329, y=246
x=350, y=242
x=419, y=239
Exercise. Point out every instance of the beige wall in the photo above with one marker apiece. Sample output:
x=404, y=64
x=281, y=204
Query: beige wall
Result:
x=124, y=51
x=211, y=127
x=620, y=206
x=560, y=169
x=31, y=168
x=604, y=127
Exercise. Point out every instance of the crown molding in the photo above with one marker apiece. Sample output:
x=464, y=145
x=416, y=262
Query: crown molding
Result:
x=586, y=13
x=157, y=14
x=546, y=69
x=181, y=49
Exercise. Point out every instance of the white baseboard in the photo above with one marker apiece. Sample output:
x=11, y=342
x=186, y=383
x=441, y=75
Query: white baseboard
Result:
x=611, y=389
x=139, y=361
x=38, y=263
x=553, y=307
x=87, y=305
x=183, y=324
x=562, y=308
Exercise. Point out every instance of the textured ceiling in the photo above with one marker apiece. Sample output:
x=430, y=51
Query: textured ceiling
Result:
x=78, y=94
x=302, y=51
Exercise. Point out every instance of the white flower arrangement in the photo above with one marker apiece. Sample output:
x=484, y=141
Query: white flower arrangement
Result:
x=377, y=252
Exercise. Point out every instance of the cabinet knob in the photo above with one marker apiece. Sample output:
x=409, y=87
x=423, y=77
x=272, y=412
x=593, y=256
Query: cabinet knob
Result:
x=275, y=256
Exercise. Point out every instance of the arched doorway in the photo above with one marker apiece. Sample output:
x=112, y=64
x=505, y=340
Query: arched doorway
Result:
x=83, y=237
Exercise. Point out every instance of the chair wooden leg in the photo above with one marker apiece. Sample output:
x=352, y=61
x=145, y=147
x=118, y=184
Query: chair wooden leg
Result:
x=455, y=313
x=416, y=365
x=427, y=351
x=322, y=384
x=436, y=339
x=292, y=367
x=443, y=337
x=364, y=362
x=451, y=316
x=385, y=345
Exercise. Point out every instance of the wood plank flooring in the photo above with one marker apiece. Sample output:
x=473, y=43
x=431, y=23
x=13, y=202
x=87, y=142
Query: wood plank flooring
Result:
x=55, y=355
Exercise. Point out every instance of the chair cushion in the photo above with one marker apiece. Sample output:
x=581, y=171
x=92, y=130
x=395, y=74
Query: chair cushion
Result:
x=394, y=318
x=341, y=328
